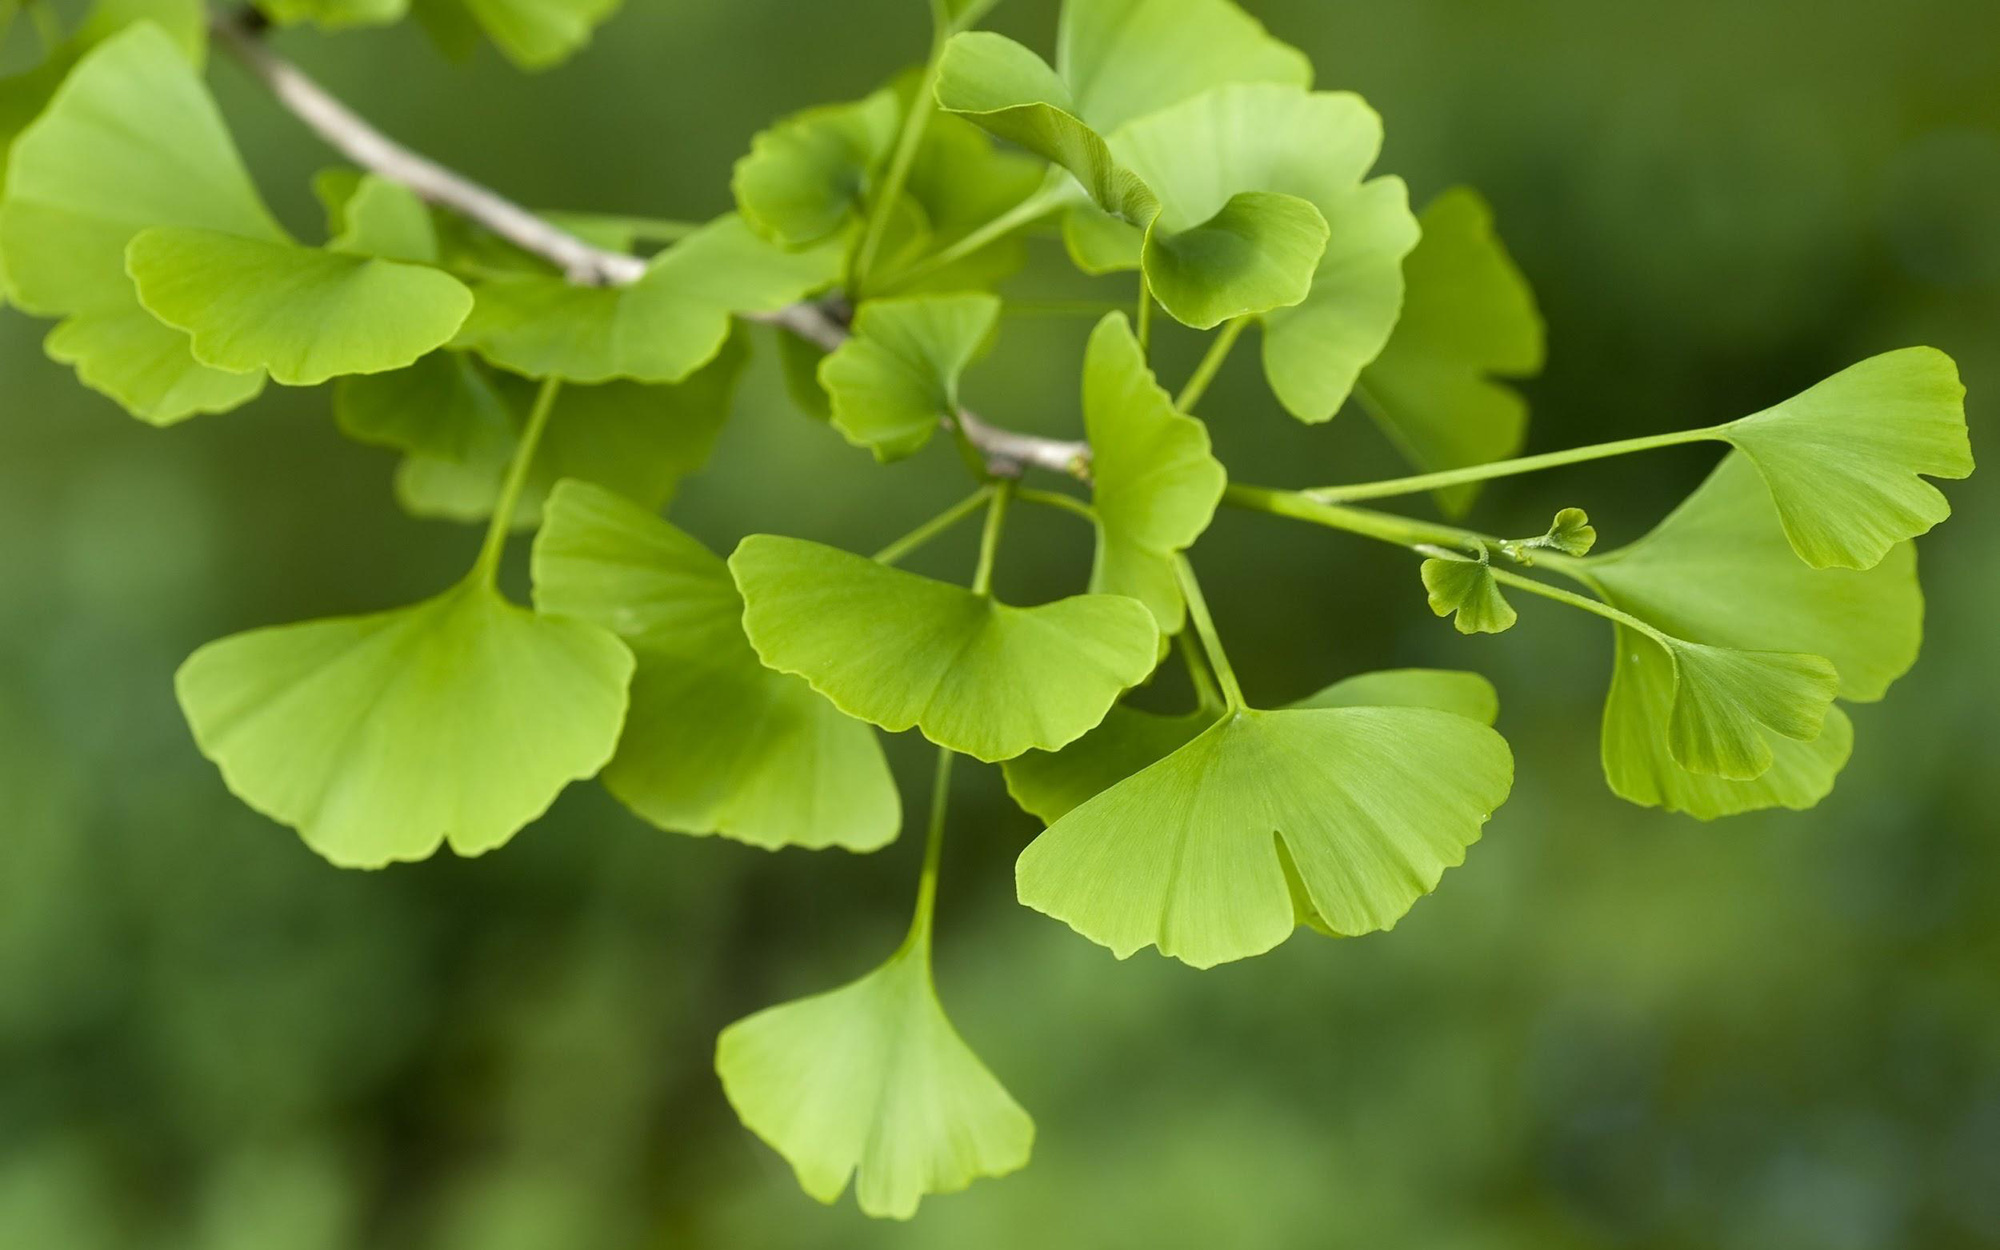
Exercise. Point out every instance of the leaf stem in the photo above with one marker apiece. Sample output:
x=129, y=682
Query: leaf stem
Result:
x=1594, y=606
x=932, y=528
x=1211, y=643
x=1207, y=697
x=989, y=538
x=1044, y=201
x=1218, y=351
x=1507, y=468
x=915, y=122
x=927, y=878
x=488, y=564
x=1057, y=500
x=1144, y=329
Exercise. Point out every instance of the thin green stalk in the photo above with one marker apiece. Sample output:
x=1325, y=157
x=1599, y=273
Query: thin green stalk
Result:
x=932, y=528
x=927, y=878
x=1218, y=351
x=1211, y=642
x=1508, y=577
x=1144, y=329
x=1507, y=468
x=915, y=122
x=1057, y=500
x=488, y=564
x=1207, y=697
x=989, y=538
x=1037, y=206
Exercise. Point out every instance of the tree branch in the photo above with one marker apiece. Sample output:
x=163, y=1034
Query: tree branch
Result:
x=347, y=132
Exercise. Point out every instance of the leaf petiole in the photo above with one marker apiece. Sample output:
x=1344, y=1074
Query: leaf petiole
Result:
x=989, y=538
x=1207, y=697
x=1211, y=364
x=1058, y=501
x=1211, y=642
x=932, y=528
x=883, y=206
x=488, y=564
x=1052, y=195
x=919, y=936
x=1390, y=487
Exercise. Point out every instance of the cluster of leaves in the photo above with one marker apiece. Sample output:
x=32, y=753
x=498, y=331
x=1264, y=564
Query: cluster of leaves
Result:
x=1174, y=139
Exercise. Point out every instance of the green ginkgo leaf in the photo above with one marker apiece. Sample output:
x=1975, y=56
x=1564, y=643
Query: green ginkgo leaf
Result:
x=1362, y=807
x=534, y=34
x=130, y=141
x=302, y=314
x=714, y=741
x=958, y=183
x=376, y=217
x=981, y=677
x=1719, y=570
x=381, y=737
x=1469, y=320
x=1047, y=784
x=1570, y=534
x=897, y=376
x=1124, y=59
x=807, y=177
x=1843, y=459
x=871, y=1081
x=1730, y=704
x=661, y=328
x=335, y=14
x=1154, y=482
x=445, y=406
x=1237, y=255
x=1464, y=590
x=1318, y=147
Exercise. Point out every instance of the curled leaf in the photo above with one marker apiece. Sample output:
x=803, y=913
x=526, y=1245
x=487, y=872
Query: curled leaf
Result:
x=1571, y=534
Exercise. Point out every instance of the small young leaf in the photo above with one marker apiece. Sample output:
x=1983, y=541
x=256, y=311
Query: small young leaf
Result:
x=1571, y=534
x=898, y=375
x=714, y=742
x=1153, y=479
x=660, y=328
x=1368, y=805
x=380, y=737
x=1047, y=784
x=1843, y=459
x=805, y=178
x=982, y=677
x=871, y=1081
x=302, y=314
x=1465, y=591
x=1468, y=319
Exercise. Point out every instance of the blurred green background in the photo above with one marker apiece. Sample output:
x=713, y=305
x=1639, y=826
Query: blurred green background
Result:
x=1611, y=1028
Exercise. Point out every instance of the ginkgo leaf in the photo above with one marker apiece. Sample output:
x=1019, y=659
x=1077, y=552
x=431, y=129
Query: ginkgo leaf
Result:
x=661, y=328
x=871, y=1081
x=1719, y=570
x=897, y=376
x=131, y=140
x=1124, y=59
x=639, y=441
x=1242, y=254
x=1468, y=320
x=807, y=176
x=1367, y=805
x=714, y=741
x=1465, y=591
x=1316, y=146
x=1570, y=534
x=959, y=182
x=335, y=14
x=1154, y=483
x=384, y=219
x=534, y=34
x=1729, y=704
x=302, y=314
x=981, y=677
x=1843, y=460
x=381, y=737
x=1047, y=784
x=444, y=406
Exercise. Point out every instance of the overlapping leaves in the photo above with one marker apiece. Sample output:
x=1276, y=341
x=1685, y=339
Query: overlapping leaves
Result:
x=892, y=382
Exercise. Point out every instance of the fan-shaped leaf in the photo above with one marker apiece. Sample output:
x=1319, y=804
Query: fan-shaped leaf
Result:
x=1124, y=59
x=714, y=742
x=871, y=1081
x=982, y=677
x=380, y=737
x=807, y=176
x=893, y=380
x=303, y=314
x=1153, y=479
x=1465, y=591
x=1469, y=318
x=661, y=328
x=534, y=34
x=1570, y=534
x=1368, y=806
x=1729, y=704
x=1843, y=459
x=444, y=406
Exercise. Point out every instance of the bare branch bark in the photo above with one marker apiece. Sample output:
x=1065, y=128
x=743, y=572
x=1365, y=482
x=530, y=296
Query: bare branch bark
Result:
x=350, y=134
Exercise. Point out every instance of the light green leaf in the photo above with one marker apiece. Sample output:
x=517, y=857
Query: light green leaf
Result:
x=130, y=141
x=380, y=218
x=1465, y=591
x=534, y=34
x=897, y=376
x=714, y=742
x=1469, y=318
x=959, y=182
x=1153, y=479
x=1247, y=254
x=1047, y=784
x=1124, y=59
x=1368, y=805
x=982, y=677
x=380, y=737
x=871, y=1081
x=639, y=441
x=1319, y=148
x=303, y=314
x=1729, y=704
x=1843, y=459
x=808, y=176
x=1570, y=534
x=445, y=406
x=335, y=14
x=660, y=328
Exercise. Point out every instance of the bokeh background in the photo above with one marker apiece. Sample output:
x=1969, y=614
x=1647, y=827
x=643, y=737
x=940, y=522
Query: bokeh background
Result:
x=1611, y=1028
